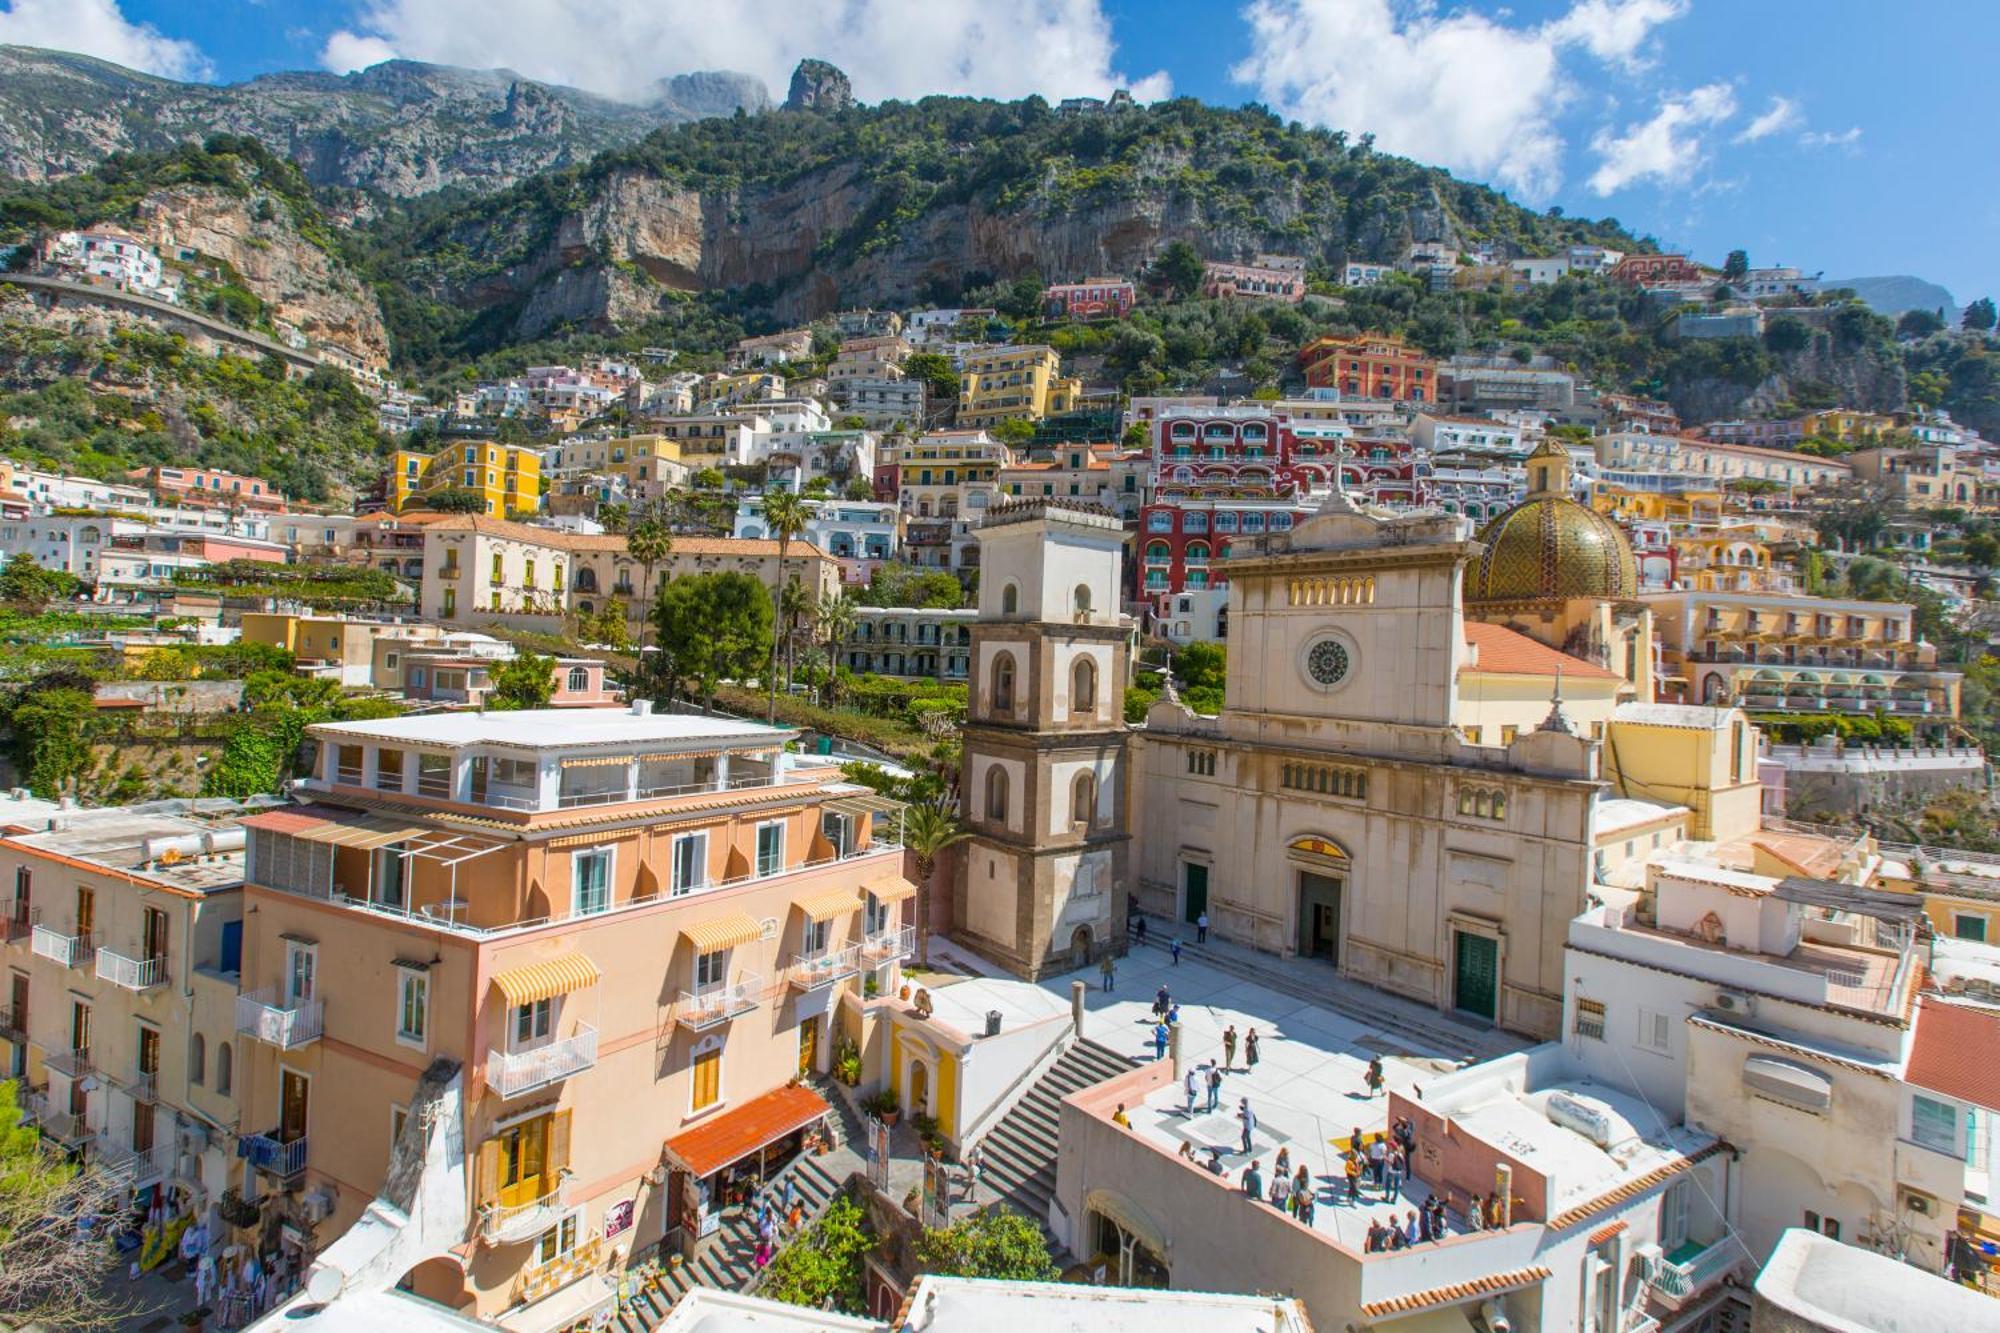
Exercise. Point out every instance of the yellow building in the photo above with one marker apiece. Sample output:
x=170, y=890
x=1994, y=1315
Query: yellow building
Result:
x=1731, y=559
x=1691, y=507
x=1013, y=384
x=506, y=477
x=1847, y=425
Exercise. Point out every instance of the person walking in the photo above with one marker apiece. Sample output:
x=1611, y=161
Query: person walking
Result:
x=1214, y=1088
x=1229, y=1047
x=1249, y=1121
x=1175, y=949
x=975, y=1167
x=1159, y=1041
x=1374, y=1078
x=1109, y=969
x=1250, y=1049
x=1140, y=929
x=1392, y=1181
x=1162, y=1002
x=1191, y=1084
x=1201, y=929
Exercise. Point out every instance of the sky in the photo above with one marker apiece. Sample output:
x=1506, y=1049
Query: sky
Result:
x=1818, y=133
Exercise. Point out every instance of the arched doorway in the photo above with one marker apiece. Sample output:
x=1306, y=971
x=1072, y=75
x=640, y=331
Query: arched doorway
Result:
x=1124, y=1242
x=1080, y=946
x=920, y=1088
x=1321, y=868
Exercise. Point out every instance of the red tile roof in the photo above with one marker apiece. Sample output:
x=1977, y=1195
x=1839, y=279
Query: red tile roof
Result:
x=1602, y=1234
x=1507, y=652
x=1456, y=1292
x=1954, y=1050
x=735, y=1134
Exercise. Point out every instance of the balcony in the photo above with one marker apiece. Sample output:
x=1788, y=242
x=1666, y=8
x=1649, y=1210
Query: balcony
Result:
x=1693, y=1267
x=135, y=974
x=65, y=1127
x=813, y=971
x=67, y=950
x=709, y=1006
x=888, y=946
x=506, y=1224
x=71, y=1063
x=135, y=1166
x=287, y=1027
x=275, y=1156
x=511, y=1073
x=13, y=1024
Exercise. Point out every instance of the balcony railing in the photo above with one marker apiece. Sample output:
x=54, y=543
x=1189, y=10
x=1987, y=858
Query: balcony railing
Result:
x=1678, y=1281
x=68, y=950
x=504, y=1224
x=707, y=1006
x=66, y=1127
x=72, y=1062
x=888, y=946
x=13, y=1023
x=811, y=971
x=511, y=1073
x=260, y=1015
x=138, y=974
x=136, y=1166
x=269, y=1153
x=141, y=1085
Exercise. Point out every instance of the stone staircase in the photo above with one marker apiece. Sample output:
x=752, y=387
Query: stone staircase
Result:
x=1020, y=1149
x=724, y=1260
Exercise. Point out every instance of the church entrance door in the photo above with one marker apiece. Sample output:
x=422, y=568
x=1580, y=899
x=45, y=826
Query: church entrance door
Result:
x=1319, y=915
x=1476, y=974
x=1194, y=896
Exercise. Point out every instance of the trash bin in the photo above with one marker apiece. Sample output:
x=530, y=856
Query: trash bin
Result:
x=992, y=1022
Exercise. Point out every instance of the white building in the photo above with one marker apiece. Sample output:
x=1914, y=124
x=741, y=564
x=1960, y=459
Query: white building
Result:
x=1194, y=615
x=1472, y=435
x=844, y=529
x=1357, y=274
x=922, y=642
x=111, y=256
x=1540, y=272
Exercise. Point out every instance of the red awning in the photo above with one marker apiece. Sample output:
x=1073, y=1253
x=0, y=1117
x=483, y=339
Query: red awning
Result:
x=736, y=1134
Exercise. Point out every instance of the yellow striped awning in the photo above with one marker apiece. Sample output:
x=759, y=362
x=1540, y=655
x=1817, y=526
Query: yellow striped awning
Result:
x=724, y=932
x=894, y=889
x=546, y=980
x=829, y=904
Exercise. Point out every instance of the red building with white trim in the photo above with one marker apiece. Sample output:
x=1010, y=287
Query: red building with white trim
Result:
x=1370, y=366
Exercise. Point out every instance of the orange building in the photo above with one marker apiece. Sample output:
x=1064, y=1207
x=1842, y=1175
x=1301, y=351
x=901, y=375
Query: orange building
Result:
x=1637, y=270
x=551, y=976
x=1370, y=366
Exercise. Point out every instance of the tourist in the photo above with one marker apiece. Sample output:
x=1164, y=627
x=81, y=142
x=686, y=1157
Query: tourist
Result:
x=1249, y=1121
x=1378, y=1159
x=1120, y=1119
x=1406, y=1134
x=1187, y=1151
x=1229, y=1047
x=1283, y=1166
x=1495, y=1211
x=1191, y=1084
x=1427, y=1222
x=1352, y=1166
x=1253, y=1181
x=1416, y=1227
x=1214, y=1160
x=1201, y=929
x=1475, y=1212
x=1174, y=1014
x=1392, y=1175
x=975, y=1166
x=1305, y=1206
x=1159, y=1041
x=1302, y=1184
x=1109, y=969
x=1175, y=950
x=1214, y=1088
x=1250, y=1050
x=1397, y=1240
x=1139, y=928
x=1162, y=1002
x=1357, y=1142
x=1374, y=1077
x=1281, y=1187
x=1378, y=1236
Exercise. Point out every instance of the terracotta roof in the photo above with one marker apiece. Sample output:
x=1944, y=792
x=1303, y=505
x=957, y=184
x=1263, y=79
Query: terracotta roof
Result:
x=1633, y=1188
x=735, y=1134
x=1953, y=1052
x=1602, y=1234
x=1456, y=1292
x=1506, y=652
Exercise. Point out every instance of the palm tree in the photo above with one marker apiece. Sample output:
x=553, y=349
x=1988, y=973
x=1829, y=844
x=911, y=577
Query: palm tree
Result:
x=785, y=517
x=797, y=607
x=649, y=543
x=929, y=827
x=837, y=617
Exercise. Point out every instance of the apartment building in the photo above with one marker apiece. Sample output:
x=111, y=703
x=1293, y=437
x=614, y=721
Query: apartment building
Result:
x=209, y=486
x=1707, y=459
x=911, y=641
x=465, y=679
x=771, y=349
x=507, y=478
x=999, y=384
x=1370, y=366
x=869, y=530
x=596, y=949
x=124, y=936
x=1093, y=298
x=1930, y=477
x=337, y=646
x=1263, y=280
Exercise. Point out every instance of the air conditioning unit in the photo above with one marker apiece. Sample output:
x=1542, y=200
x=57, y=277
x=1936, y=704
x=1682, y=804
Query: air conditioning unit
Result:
x=188, y=1167
x=318, y=1206
x=1650, y=1259
x=1916, y=1201
x=1734, y=1002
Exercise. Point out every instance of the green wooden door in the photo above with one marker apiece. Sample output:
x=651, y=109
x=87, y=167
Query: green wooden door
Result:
x=1476, y=975
x=1195, y=900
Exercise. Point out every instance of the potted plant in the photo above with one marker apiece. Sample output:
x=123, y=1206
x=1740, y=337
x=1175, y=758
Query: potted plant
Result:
x=847, y=1063
x=883, y=1105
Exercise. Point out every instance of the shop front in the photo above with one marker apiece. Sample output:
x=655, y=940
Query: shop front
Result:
x=720, y=1164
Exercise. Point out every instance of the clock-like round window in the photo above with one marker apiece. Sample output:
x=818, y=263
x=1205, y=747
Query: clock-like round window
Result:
x=1327, y=662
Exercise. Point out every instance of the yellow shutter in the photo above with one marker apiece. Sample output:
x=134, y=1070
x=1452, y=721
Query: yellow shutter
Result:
x=707, y=1078
x=558, y=1156
x=487, y=1182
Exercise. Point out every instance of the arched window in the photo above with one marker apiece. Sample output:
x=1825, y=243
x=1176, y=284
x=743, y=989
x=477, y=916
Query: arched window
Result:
x=996, y=794
x=225, y=1068
x=1083, y=687
x=198, y=1060
x=579, y=679
x=1010, y=600
x=1003, y=684
x=1082, y=600
x=1083, y=799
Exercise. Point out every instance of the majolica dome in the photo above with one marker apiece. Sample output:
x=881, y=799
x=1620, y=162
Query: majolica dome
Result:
x=1549, y=548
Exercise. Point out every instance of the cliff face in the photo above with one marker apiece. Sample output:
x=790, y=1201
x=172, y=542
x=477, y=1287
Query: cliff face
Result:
x=302, y=284
x=401, y=128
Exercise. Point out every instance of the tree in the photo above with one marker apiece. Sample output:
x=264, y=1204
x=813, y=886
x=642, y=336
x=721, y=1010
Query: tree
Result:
x=785, y=517
x=937, y=372
x=26, y=585
x=821, y=1268
x=1014, y=430
x=1919, y=324
x=1736, y=267
x=1982, y=549
x=525, y=681
x=928, y=829
x=836, y=617
x=52, y=730
x=1202, y=669
x=992, y=1243
x=1180, y=267
x=54, y=1272
x=710, y=627
x=454, y=500
x=1980, y=316
x=649, y=543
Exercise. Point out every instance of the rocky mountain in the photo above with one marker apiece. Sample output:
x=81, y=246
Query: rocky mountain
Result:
x=1892, y=296
x=400, y=128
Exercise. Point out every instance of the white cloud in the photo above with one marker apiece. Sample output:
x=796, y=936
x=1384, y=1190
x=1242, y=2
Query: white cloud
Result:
x=1846, y=138
x=1783, y=114
x=1666, y=148
x=1614, y=30
x=1459, y=89
x=890, y=48
x=99, y=28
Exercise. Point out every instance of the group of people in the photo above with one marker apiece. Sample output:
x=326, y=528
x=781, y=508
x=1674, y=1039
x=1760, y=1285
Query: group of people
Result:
x=1290, y=1191
x=236, y=1282
x=780, y=1213
x=1419, y=1226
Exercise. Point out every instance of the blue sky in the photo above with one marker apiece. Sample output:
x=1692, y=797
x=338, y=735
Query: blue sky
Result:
x=1821, y=133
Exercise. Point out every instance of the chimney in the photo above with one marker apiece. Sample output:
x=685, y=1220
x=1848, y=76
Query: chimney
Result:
x=642, y=708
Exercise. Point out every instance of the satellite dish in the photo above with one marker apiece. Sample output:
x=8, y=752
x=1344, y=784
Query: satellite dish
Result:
x=324, y=1284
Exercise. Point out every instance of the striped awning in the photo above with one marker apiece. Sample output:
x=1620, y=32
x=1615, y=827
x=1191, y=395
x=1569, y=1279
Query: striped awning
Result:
x=893, y=889
x=724, y=932
x=829, y=904
x=546, y=980
x=861, y=805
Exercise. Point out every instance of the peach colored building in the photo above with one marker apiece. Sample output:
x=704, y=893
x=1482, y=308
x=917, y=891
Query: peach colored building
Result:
x=600, y=946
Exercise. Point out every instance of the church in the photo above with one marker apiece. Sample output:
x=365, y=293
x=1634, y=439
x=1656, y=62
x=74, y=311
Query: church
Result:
x=1434, y=748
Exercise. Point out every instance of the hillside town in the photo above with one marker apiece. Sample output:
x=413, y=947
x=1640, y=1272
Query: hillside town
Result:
x=908, y=819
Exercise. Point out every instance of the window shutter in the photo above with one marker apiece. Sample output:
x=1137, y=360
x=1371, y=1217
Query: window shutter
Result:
x=559, y=1142
x=487, y=1183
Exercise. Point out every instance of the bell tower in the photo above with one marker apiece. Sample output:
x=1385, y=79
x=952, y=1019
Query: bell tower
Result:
x=1043, y=881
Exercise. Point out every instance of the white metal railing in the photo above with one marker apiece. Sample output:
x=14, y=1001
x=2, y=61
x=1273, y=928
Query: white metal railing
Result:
x=71, y=1062
x=814, y=970
x=260, y=1015
x=131, y=973
x=142, y=1085
x=67, y=950
x=705, y=1006
x=511, y=1073
x=888, y=946
x=1683, y=1279
x=502, y=1224
x=136, y=1166
x=281, y=1157
x=64, y=1126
